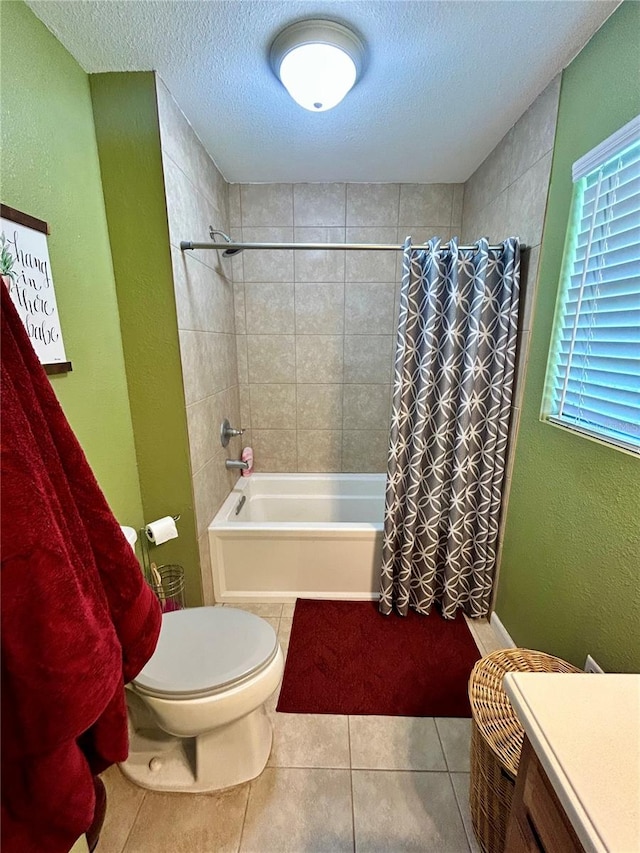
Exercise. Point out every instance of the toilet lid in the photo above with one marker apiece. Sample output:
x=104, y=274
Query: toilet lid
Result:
x=203, y=649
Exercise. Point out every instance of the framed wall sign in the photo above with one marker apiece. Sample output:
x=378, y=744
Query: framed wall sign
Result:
x=26, y=271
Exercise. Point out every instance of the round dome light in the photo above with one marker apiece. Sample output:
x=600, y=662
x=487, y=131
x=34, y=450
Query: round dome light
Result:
x=318, y=62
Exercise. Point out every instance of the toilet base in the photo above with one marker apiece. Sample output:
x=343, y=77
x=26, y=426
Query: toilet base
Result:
x=221, y=758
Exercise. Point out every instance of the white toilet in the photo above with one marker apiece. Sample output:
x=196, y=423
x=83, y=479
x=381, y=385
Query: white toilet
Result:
x=197, y=720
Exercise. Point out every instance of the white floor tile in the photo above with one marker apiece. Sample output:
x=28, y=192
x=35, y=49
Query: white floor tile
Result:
x=123, y=803
x=455, y=734
x=460, y=783
x=397, y=812
x=299, y=811
x=186, y=823
x=395, y=743
x=310, y=740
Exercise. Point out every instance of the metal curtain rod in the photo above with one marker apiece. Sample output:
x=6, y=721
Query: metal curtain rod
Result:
x=232, y=247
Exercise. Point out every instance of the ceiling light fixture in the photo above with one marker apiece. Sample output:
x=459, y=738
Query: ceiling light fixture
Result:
x=318, y=62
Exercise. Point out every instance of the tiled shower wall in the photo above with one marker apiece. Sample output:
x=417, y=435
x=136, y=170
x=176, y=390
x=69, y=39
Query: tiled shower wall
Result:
x=197, y=195
x=507, y=195
x=316, y=329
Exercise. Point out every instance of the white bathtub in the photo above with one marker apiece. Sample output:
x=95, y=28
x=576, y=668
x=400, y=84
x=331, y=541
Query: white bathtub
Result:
x=299, y=536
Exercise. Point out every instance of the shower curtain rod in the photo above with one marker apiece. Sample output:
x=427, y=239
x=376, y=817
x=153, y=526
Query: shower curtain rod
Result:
x=232, y=248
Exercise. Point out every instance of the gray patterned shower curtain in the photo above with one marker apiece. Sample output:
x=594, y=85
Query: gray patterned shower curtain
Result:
x=453, y=384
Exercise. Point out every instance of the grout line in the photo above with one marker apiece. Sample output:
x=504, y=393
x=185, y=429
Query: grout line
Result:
x=353, y=808
x=133, y=822
x=444, y=754
x=457, y=802
x=244, y=816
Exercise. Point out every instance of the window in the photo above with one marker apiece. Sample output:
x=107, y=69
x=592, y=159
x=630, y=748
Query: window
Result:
x=593, y=374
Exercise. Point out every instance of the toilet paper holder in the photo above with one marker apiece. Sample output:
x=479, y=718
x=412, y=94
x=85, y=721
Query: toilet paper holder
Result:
x=145, y=544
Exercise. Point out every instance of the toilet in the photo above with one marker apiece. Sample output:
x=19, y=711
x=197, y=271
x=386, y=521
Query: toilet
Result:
x=197, y=720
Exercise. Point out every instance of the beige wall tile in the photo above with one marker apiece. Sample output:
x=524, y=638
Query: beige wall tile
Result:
x=420, y=234
x=319, y=450
x=239, y=308
x=491, y=177
x=237, y=260
x=208, y=310
x=269, y=308
x=493, y=222
x=275, y=450
x=316, y=264
x=456, y=211
x=364, y=265
x=235, y=210
x=367, y=407
x=319, y=407
x=534, y=132
x=369, y=308
x=372, y=204
x=320, y=304
x=368, y=359
x=180, y=142
x=266, y=204
x=203, y=442
x=271, y=358
x=242, y=359
x=210, y=489
x=528, y=201
x=365, y=451
x=245, y=409
x=189, y=211
x=208, y=363
x=422, y=204
x=204, y=298
x=319, y=204
x=319, y=308
x=319, y=358
x=272, y=265
x=273, y=406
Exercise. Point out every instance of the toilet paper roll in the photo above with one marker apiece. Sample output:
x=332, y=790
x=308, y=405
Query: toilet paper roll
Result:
x=162, y=530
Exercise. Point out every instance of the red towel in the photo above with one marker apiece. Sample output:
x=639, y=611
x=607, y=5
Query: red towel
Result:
x=78, y=619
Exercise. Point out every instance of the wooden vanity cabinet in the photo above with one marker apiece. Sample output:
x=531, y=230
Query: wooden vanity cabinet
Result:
x=537, y=821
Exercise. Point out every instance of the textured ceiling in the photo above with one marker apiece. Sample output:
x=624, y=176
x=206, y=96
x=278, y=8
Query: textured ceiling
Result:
x=443, y=81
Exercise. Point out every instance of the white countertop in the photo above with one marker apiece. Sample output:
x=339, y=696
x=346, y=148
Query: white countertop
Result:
x=585, y=729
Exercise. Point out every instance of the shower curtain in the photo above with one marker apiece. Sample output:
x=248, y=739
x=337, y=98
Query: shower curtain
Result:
x=453, y=383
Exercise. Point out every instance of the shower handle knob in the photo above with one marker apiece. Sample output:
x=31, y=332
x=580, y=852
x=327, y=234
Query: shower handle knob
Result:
x=227, y=432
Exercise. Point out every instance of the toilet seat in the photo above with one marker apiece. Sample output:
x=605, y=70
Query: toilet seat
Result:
x=206, y=650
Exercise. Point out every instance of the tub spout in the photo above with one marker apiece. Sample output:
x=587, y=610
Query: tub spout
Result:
x=236, y=463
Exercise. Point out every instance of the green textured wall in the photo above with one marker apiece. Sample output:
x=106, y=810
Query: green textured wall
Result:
x=126, y=121
x=49, y=168
x=570, y=575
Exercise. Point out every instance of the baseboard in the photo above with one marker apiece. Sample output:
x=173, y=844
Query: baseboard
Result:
x=501, y=631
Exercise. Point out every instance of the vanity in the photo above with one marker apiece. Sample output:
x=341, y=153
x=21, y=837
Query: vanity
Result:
x=578, y=786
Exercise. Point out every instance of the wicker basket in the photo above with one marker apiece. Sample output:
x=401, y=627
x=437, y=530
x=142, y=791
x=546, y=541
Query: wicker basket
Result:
x=496, y=739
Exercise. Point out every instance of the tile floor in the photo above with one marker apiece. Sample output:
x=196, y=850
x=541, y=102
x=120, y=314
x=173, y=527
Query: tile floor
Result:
x=332, y=784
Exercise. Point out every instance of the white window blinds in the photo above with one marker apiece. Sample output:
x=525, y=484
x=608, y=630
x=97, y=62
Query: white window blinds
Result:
x=593, y=376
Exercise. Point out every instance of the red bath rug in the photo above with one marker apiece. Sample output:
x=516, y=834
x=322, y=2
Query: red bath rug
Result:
x=346, y=658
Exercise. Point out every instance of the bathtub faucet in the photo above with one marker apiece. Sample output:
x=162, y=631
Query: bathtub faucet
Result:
x=236, y=463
